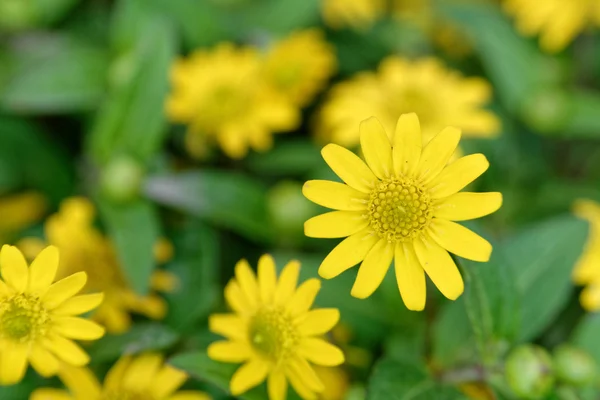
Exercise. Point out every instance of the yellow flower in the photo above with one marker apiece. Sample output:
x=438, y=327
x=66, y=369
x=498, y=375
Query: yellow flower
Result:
x=300, y=65
x=20, y=210
x=141, y=377
x=587, y=269
x=273, y=331
x=400, y=206
x=38, y=318
x=439, y=96
x=557, y=21
x=85, y=248
x=358, y=14
x=221, y=94
x=335, y=380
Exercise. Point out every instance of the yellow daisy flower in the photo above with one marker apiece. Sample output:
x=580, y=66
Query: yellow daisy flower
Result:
x=587, y=269
x=359, y=14
x=439, y=96
x=400, y=206
x=299, y=66
x=141, y=377
x=38, y=318
x=274, y=332
x=220, y=94
x=557, y=21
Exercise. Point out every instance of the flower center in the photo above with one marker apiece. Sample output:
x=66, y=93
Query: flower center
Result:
x=23, y=318
x=399, y=209
x=224, y=103
x=273, y=333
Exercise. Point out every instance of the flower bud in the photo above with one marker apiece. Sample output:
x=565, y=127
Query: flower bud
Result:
x=122, y=179
x=574, y=366
x=529, y=372
x=288, y=210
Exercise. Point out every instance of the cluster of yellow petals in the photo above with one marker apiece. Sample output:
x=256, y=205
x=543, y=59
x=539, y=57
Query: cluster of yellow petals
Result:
x=586, y=270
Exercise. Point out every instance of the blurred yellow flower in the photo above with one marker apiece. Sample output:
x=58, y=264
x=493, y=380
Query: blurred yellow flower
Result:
x=299, y=66
x=335, y=380
x=221, y=94
x=587, y=269
x=557, y=21
x=141, y=377
x=84, y=248
x=400, y=206
x=274, y=332
x=18, y=211
x=359, y=14
x=440, y=97
x=38, y=318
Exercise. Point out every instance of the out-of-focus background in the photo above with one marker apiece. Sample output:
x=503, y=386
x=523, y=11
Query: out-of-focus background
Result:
x=157, y=142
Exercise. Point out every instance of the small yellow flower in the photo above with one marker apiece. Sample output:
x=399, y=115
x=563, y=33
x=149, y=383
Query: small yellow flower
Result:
x=274, y=332
x=557, y=21
x=38, y=318
x=439, y=96
x=220, y=94
x=359, y=14
x=299, y=66
x=131, y=378
x=18, y=211
x=587, y=269
x=400, y=206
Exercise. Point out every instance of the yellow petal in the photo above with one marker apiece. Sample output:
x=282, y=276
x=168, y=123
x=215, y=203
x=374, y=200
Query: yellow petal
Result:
x=440, y=267
x=14, y=268
x=376, y=147
x=43, y=270
x=43, y=361
x=466, y=205
x=141, y=372
x=586, y=268
x=304, y=297
x=459, y=240
x=50, y=394
x=320, y=352
x=336, y=224
x=64, y=289
x=247, y=281
x=277, y=385
x=114, y=377
x=373, y=269
x=66, y=350
x=306, y=373
x=436, y=154
x=80, y=381
x=319, y=322
x=410, y=277
x=349, y=167
x=299, y=386
x=590, y=298
x=78, y=328
x=230, y=352
x=287, y=282
x=228, y=325
x=407, y=145
x=335, y=195
x=347, y=254
x=79, y=304
x=237, y=299
x=267, y=278
x=248, y=376
x=167, y=381
x=13, y=362
x=190, y=395
x=457, y=175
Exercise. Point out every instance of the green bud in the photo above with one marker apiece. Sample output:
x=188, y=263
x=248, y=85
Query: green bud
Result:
x=574, y=366
x=529, y=372
x=122, y=179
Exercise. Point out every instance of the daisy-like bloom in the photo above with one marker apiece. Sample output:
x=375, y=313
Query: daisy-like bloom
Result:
x=221, y=95
x=299, y=66
x=557, y=22
x=587, y=269
x=38, y=318
x=274, y=332
x=143, y=377
x=359, y=14
x=401, y=206
x=439, y=96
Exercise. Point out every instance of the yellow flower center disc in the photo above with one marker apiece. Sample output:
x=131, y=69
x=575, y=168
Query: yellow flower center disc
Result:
x=273, y=333
x=23, y=318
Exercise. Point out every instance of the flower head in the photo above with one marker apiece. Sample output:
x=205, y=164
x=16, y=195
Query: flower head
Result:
x=38, y=318
x=587, y=271
x=400, y=206
x=273, y=331
x=221, y=95
x=298, y=67
x=557, y=21
x=439, y=96
x=143, y=377
x=358, y=14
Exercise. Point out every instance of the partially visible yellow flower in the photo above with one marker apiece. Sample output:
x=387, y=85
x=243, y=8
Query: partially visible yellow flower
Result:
x=335, y=380
x=131, y=378
x=401, y=206
x=38, y=318
x=440, y=97
x=358, y=14
x=17, y=211
x=587, y=269
x=557, y=22
x=274, y=332
x=221, y=95
x=299, y=66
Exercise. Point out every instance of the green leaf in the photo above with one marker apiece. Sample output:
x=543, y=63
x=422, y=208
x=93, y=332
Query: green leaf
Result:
x=53, y=74
x=227, y=199
x=134, y=229
x=394, y=380
x=452, y=336
x=141, y=337
x=586, y=335
x=289, y=158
